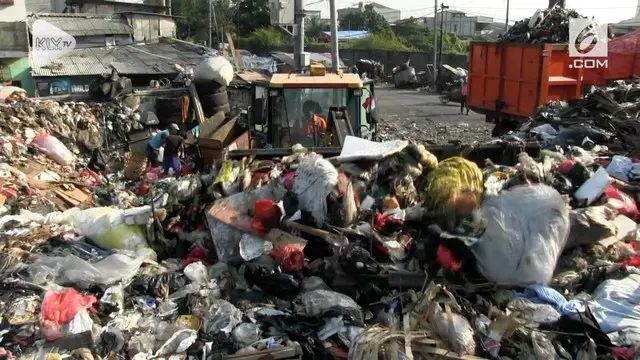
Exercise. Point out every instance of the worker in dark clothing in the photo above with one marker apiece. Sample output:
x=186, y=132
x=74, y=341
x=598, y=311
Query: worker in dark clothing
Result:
x=173, y=147
x=157, y=141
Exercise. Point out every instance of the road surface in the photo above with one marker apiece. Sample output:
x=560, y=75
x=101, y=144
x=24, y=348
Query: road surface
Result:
x=415, y=115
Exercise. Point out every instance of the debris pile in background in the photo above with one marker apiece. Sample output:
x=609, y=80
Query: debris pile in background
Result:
x=604, y=116
x=548, y=26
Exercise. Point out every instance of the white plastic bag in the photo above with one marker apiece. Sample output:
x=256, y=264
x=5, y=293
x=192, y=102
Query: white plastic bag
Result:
x=72, y=270
x=216, y=69
x=620, y=167
x=222, y=316
x=107, y=228
x=616, y=307
x=526, y=230
x=53, y=148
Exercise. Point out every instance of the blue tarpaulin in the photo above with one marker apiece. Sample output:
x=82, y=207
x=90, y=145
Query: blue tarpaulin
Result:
x=346, y=35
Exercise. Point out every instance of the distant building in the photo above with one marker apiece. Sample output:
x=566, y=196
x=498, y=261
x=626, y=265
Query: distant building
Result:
x=626, y=26
x=313, y=13
x=112, y=7
x=459, y=23
x=14, y=45
x=391, y=15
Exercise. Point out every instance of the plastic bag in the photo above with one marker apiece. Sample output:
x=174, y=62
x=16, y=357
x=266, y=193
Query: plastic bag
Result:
x=534, y=313
x=247, y=333
x=622, y=202
x=144, y=343
x=178, y=343
x=456, y=331
x=197, y=273
x=317, y=303
x=620, y=167
x=314, y=181
x=616, y=307
x=72, y=270
x=186, y=188
x=53, y=148
x=216, y=69
x=526, y=228
x=63, y=307
x=312, y=283
x=107, y=228
x=222, y=316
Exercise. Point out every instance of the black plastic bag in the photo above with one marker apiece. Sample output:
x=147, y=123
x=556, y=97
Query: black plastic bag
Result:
x=158, y=286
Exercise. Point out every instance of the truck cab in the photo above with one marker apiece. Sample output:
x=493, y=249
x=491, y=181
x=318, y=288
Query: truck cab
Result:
x=316, y=109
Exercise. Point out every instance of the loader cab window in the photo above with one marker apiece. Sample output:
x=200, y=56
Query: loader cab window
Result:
x=301, y=115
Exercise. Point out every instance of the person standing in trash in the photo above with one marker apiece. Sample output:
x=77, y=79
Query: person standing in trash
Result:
x=463, y=100
x=173, y=147
x=157, y=141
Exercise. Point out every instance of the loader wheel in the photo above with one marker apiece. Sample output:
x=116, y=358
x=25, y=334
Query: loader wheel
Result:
x=217, y=99
x=208, y=88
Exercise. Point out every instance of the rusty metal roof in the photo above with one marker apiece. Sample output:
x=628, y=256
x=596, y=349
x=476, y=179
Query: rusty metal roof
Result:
x=86, y=24
x=149, y=59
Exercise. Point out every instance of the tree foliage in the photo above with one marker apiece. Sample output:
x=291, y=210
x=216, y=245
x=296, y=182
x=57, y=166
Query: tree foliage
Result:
x=414, y=34
x=313, y=27
x=367, y=19
x=252, y=15
x=264, y=39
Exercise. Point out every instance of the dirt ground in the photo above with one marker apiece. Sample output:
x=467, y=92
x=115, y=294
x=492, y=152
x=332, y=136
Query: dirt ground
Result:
x=415, y=115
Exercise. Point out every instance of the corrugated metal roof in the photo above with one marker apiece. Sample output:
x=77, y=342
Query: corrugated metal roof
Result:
x=149, y=59
x=86, y=24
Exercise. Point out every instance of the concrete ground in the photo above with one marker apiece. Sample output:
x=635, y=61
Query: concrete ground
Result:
x=416, y=115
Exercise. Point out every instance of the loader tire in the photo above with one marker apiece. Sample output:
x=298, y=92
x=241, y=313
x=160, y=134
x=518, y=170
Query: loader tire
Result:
x=218, y=99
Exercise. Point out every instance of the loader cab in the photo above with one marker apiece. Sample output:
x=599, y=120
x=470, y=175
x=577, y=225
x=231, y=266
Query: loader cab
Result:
x=316, y=109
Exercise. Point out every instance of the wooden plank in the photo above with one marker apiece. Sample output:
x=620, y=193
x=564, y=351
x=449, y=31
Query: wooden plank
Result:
x=232, y=47
x=197, y=107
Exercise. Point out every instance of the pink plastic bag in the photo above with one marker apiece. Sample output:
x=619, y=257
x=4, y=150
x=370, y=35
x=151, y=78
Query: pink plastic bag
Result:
x=59, y=308
x=53, y=148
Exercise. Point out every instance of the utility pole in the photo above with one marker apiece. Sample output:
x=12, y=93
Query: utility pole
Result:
x=506, y=23
x=298, y=33
x=435, y=40
x=210, y=7
x=443, y=7
x=335, y=58
x=215, y=24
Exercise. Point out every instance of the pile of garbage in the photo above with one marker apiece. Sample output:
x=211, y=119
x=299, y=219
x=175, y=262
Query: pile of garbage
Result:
x=602, y=117
x=548, y=26
x=384, y=250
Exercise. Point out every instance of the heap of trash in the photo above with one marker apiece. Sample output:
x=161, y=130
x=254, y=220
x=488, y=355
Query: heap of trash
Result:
x=383, y=251
x=545, y=26
x=604, y=116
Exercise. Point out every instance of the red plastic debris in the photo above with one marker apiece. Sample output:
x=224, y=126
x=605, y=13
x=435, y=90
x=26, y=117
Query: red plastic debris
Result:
x=197, y=254
x=266, y=216
x=446, y=259
x=629, y=206
x=62, y=306
x=290, y=257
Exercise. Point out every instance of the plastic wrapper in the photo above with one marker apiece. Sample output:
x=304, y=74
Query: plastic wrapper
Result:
x=143, y=343
x=53, y=148
x=222, y=316
x=197, y=273
x=178, y=343
x=158, y=286
x=217, y=69
x=23, y=310
x=534, y=313
x=247, y=333
x=185, y=188
x=72, y=270
x=107, y=228
x=542, y=347
x=455, y=331
x=526, y=227
x=312, y=283
x=319, y=303
x=114, y=296
x=315, y=179
x=620, y=167
x=226, y=238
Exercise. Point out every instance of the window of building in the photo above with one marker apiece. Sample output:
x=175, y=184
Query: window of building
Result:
x=455, y=28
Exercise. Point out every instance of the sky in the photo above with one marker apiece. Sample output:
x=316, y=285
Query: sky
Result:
x=616, y=10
